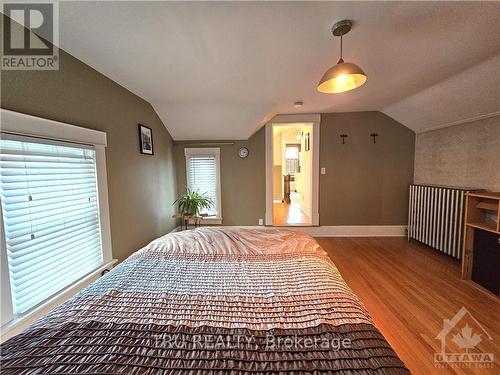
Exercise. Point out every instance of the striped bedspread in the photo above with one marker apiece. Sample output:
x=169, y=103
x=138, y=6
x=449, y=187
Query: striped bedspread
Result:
x=210, y=301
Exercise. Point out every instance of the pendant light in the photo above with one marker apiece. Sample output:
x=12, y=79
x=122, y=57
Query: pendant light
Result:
x=342, y=76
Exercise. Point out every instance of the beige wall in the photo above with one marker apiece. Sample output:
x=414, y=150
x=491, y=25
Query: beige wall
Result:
x=277, y=166
x=242, y=180
x=365, y=183
x=465, y=155
x=141, y=188
x=277, y=183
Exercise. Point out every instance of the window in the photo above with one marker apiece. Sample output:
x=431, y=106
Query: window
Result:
x=54, y=222
x=292, y=154
x=50, y=215
x=203, y=175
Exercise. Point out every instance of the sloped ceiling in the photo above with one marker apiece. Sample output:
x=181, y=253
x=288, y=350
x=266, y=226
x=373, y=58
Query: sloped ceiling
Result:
x=221, y=70
x=468, y=95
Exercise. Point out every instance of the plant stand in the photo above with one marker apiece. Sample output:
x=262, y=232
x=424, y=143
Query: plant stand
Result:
x=185, y=220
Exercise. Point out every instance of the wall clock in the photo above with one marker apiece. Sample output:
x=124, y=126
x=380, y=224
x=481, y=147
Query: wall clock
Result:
x=243, y=152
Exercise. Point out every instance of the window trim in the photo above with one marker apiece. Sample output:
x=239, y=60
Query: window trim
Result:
x=31, y=126
x=21, y=322
x=188, y=152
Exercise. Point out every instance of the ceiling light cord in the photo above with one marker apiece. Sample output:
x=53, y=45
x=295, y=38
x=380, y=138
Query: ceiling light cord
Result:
x=341, y=39
x=341, y=60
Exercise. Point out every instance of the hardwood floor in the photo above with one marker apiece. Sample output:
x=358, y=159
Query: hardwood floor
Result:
x=409, y=289
x=290, y=214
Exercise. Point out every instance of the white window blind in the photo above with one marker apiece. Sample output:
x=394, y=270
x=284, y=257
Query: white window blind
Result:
x=50, y=210
x=292, y=155
x=202, y=176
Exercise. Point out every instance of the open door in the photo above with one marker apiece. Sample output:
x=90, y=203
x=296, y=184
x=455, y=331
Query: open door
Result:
x=292, y=171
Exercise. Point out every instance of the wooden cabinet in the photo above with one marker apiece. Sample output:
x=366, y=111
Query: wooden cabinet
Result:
x=486, y=260
x=481, y=248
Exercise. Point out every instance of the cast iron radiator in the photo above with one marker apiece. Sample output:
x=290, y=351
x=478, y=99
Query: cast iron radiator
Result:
x=436, y=217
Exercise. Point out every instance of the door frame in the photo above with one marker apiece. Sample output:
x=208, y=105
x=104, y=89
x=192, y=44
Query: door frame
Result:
x=283, y=120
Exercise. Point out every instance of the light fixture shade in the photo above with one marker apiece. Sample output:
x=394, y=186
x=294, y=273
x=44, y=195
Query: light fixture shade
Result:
x=341, y=77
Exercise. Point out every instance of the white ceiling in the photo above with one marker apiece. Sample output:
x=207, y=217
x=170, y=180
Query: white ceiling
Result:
x=220, y=70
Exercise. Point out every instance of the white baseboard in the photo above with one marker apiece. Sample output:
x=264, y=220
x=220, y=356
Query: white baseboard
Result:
x=357, y=231
x=340, y=230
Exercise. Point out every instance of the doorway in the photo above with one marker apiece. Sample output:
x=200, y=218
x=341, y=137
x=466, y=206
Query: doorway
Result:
x=291, y=159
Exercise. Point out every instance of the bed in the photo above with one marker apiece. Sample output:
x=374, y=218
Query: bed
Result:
x=210, y=300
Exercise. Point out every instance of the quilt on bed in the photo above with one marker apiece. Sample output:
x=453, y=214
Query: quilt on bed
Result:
x=210, y=300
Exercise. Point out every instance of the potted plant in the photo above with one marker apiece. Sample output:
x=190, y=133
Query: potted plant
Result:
x=192, y=202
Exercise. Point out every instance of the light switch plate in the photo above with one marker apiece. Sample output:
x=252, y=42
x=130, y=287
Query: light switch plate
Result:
x=323, y=170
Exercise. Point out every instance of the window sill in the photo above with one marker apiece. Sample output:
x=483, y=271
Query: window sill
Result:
x=21, y=322
x=211, y=221
x=208, y=220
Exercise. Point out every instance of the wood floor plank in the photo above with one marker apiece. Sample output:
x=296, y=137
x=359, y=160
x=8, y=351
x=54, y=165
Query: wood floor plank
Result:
x=291, y=214
x=409, y=289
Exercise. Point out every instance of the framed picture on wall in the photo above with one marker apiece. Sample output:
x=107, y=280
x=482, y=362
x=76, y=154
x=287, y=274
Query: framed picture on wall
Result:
x=307, y=141
x=146, y=140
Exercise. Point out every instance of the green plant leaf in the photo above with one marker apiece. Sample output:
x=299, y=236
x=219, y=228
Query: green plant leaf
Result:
x=192, y=202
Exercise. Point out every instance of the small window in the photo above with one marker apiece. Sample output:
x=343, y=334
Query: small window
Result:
x=50, y=214
x=292, y=158
x=203, y=175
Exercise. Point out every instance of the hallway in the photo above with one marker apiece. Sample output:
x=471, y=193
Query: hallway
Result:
x=292, y=214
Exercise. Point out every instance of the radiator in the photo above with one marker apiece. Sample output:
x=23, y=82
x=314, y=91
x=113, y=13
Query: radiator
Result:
x=436, y=217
